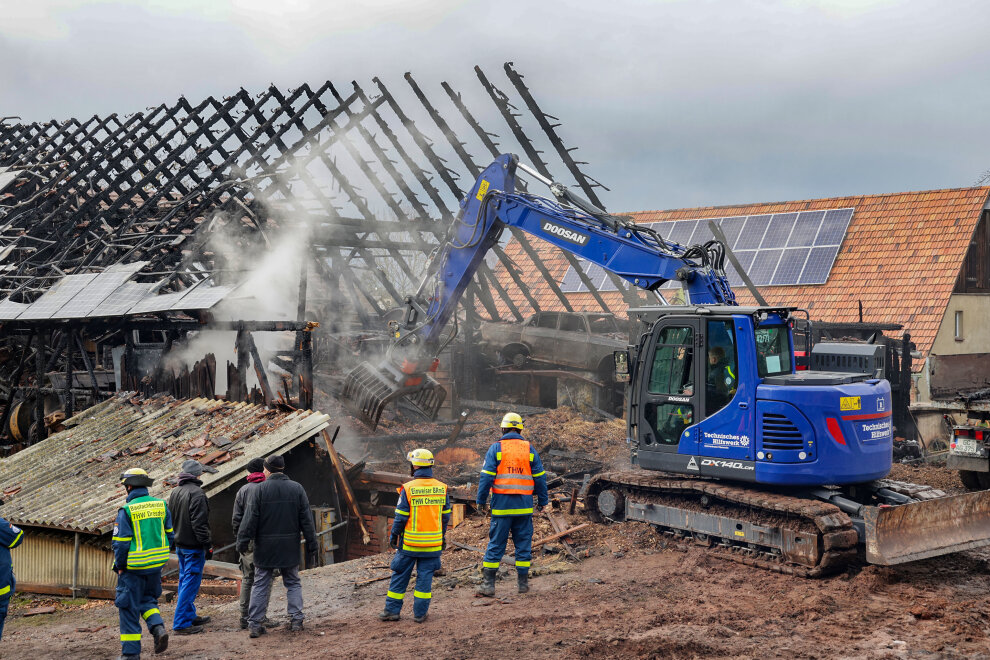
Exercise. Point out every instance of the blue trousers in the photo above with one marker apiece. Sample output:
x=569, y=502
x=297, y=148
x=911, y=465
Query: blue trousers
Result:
x=191, y=564
x=137, y=598
x=3, y=612
x=521, y=528
x=402, y=568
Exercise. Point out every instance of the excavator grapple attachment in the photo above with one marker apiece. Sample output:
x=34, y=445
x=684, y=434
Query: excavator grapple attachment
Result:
x=368, y=390
x=907, y=532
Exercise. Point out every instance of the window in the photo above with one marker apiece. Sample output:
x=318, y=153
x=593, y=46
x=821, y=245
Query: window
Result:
x=669, y=420
x=601, y=324
x=959, y=326
x=572, y=323
x=547, y=320
x=773, y=350
x=672, y=371
x=721, y=370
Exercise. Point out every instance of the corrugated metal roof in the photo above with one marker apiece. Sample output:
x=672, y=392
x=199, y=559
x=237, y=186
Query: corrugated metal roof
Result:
x=110, y=293
x=70, y=481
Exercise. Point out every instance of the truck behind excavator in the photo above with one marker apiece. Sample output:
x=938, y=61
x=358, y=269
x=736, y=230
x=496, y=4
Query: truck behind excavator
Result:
x=734, y=446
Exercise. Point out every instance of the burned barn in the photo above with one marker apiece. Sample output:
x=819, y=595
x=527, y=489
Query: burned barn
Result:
x=250, y=246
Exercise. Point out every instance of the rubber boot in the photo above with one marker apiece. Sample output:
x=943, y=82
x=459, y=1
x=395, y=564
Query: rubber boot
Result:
x=487, y=587
x=523, y=582
x=161, y=638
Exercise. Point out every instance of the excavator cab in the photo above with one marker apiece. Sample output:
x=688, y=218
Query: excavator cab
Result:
x=716, y=393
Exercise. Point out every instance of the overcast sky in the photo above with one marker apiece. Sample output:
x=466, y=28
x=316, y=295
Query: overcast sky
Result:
x=674, y=103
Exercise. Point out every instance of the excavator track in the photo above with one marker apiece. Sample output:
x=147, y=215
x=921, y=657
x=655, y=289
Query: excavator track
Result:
x=750, y=525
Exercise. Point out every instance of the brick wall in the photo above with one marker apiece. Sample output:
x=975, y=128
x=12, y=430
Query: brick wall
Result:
x=378, y=520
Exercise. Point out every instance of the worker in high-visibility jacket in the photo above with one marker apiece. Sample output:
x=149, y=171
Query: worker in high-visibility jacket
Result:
x=512, y=472
x=419, y=534
x=142, y=535
x=10, y=537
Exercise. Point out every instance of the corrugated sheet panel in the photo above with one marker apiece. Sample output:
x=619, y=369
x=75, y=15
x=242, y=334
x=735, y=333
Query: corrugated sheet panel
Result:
x=48, y=559
x=71, y=481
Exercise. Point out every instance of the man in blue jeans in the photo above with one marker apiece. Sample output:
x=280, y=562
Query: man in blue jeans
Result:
x=193, y=544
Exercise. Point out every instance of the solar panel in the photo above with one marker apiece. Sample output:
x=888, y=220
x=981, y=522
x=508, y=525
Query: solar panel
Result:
x=56, y=297
x=125, y=297
x=571, y=282
x=10, y=310
x=732, y=227
x=752, y=233
x=776, y=249
x=203, y=297
x=746, y=261
x=806, y=228
x=790, y=266
x=764, y=265
x=779, y=230
x=160, y=303
x=98, y=290
x=834, y=226
x=819, y=265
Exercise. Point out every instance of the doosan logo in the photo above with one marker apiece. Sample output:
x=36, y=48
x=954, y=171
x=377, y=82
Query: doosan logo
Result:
x=563, y=232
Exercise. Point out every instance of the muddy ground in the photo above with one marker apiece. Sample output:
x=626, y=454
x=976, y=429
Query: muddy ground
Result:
x=633, y=594
x=638, y=595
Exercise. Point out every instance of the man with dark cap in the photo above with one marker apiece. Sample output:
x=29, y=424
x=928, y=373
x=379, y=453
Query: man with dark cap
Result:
x=256, y=475
x=276, y=513
x=193, y=544
x=142, y=534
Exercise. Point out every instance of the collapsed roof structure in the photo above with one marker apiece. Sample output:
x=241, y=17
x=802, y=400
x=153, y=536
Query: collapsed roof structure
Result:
x=186, y=199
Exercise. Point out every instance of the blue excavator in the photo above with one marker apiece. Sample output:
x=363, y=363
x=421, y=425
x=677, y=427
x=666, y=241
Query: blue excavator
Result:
x=732, y=446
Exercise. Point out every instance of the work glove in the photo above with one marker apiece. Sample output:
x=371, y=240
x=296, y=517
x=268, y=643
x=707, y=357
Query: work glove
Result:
x=443, y=544
x=312, y=560
x=393, y=541
x=209, y=553
x=540, y=507
x=483, y=508
x=242, y=548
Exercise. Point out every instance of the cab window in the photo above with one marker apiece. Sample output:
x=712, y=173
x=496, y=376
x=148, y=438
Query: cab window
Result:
x=721, y=368
x=669, y=420
x=672, y=371
x=773, y=350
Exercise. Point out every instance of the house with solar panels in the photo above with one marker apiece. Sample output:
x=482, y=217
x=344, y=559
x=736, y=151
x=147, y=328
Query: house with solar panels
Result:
x=916, y=260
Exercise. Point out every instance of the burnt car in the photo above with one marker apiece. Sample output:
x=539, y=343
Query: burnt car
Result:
x=579, y=340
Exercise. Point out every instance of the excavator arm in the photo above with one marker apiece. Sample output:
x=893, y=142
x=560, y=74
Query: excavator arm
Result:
x=635, y=253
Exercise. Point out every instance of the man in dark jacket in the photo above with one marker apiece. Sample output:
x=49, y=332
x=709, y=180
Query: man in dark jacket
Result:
x=277, y=511
x=193, y=544
x=256, y=475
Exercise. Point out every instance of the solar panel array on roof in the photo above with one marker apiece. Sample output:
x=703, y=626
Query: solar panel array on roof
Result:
x=109, y=293
x=777, y=249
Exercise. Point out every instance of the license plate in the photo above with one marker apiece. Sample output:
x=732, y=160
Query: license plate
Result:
x=966, y=446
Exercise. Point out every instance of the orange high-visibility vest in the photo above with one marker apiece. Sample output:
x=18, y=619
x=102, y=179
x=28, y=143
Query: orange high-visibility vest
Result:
x=424, y=530
x=514, y=474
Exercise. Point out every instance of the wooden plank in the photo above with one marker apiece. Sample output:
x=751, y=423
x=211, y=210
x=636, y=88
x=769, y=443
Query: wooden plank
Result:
x=212, y=589
x=574, y=498
x=559, y=526
x=345, y=486
x=456, y=514
x=211, y=568
x=57, y=590
x=554, y=537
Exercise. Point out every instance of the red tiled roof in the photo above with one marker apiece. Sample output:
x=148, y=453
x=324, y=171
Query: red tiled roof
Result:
x=900, y=258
